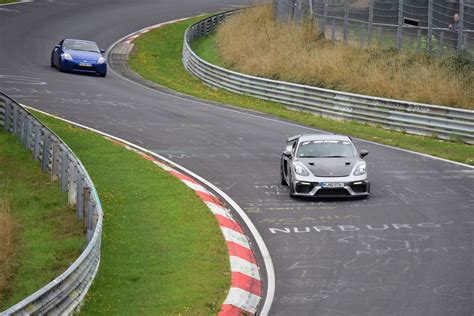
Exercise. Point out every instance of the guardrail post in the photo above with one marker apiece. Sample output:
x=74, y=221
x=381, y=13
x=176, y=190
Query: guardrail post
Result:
x=91, y=219
x=37, y=142
x=6, y=119
x=55, y=161
x=79, y=194
x=64, y=166
x=15, y=120
x=29, y=133
x=86, y=196
x=46, y=153
x=24, y=124
x=72, y=184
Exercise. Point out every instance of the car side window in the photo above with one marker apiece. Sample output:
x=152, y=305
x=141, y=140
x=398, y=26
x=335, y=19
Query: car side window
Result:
x=293, y=149
x=290, y=146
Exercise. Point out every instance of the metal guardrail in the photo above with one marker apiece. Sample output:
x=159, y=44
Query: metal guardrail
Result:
x=410, y=117
x=64, y=294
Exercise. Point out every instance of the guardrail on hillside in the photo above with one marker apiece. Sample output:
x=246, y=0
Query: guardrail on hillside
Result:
x=65, y=293
x=414, y=118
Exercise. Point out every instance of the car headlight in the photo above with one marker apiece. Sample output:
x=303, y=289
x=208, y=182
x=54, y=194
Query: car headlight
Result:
x=67, y=56
x=300, y=170
x=101, y=60
x=360, y=170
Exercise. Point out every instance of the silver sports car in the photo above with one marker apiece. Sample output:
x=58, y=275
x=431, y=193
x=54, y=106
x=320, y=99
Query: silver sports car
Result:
x=324, y=165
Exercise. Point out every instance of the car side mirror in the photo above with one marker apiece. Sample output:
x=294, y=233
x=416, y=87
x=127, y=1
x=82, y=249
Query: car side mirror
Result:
x=287, y=153
x=363, y=153
x=57, y=46
x=102, y=51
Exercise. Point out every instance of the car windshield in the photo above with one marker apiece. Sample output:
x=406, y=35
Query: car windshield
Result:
x=325, y=149
x=80, y=45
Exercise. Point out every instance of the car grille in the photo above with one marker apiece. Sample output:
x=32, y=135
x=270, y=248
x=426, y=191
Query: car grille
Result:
x=332, y=192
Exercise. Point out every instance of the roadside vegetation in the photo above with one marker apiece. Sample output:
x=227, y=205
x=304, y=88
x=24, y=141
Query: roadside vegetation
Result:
x=157, y=57
x=162, y=250
x=39, y=235
x=252, y=42
x=8, y=1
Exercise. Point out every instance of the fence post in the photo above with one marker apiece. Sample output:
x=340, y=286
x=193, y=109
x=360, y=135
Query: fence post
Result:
x=37, y=142
x=461, y=26
x=346, y=21
x=29, y=133
x=333, y=32
x=72, y=184
x=6, y=119
x=311, y=9
x=64, y=166
x=46, y=155
x=400, y=24
x=15, y=120
x=86, y=196
x=418, y=39
x=79, y=194
x=91, y=220
x=371, y=19
x=441, y=42
x=325, y=16
x=23, y=127
x=55, y=161
x=430, y=26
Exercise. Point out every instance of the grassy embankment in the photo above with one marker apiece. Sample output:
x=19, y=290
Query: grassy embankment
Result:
x=39, y=235
x=162, y=250
x=158, y=58
x=8, y=1
x=253, y=42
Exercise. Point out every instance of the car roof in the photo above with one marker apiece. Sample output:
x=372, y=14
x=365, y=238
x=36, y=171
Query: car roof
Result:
x=307, y=137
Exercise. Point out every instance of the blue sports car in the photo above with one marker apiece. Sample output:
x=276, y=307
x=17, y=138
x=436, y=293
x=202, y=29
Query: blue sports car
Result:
x=79, y=56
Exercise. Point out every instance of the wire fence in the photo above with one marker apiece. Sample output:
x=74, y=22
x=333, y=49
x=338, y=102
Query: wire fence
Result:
x=440, y=27
x=64, y=294
x=413, y=118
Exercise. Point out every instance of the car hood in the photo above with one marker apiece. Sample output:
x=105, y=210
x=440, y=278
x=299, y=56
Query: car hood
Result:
x=330, y=167
x=82, y=55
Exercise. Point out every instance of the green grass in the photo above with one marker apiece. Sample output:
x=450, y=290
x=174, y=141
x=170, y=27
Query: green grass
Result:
x=48, y=237
x=204, y=48
x=8, y=1
x=158, y=58
x=162, y=250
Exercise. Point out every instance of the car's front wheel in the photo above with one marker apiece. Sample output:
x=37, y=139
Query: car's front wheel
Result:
x=282, y=177
x=52, y=61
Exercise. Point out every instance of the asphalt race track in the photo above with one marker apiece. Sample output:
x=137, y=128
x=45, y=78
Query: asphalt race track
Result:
x=407, y=250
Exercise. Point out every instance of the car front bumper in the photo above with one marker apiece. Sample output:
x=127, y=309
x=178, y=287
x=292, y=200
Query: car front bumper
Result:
x=350, y=186
x=75, y=66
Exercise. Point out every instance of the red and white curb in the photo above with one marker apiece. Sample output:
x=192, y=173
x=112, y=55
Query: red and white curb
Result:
x=246, y=287
x=130, y=38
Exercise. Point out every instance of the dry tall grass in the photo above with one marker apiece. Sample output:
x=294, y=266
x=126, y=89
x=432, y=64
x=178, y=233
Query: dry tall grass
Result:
x=7, y=245
x=253, y=43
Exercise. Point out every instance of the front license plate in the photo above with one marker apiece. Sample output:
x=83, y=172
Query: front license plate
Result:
x=85, y=64
x=332, y=184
